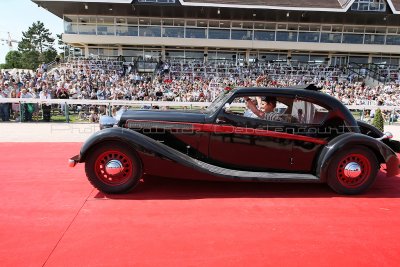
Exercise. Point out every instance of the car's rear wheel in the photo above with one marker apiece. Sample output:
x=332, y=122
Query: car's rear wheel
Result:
x=113, y=168
x=352, y=171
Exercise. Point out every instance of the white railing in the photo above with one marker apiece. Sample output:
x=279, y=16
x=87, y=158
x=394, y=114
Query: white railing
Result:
x=104, y=102
x=109, y=104
x=150, y=103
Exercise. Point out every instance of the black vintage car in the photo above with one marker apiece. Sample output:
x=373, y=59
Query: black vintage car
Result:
x=310, y=137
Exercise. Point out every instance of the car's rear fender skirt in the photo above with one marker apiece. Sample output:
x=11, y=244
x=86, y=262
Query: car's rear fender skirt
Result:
x=346, y=141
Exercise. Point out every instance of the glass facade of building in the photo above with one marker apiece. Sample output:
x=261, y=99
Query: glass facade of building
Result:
x=369, y=5
x=232, y=30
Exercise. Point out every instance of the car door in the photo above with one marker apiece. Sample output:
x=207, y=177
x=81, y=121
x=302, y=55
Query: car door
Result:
x=249, y=143
x=314, y=125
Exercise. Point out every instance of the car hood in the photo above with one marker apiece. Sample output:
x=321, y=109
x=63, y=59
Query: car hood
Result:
x=195, y=116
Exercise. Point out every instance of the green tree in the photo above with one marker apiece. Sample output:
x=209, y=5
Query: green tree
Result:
x=48, y=55
x=36, y=46
x=30, y=60
x=62, y=46
x=36, y=38
x=378, y=121
x=13, y=60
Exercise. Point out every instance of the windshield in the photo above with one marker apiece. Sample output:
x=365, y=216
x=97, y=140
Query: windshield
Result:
x=219, y=101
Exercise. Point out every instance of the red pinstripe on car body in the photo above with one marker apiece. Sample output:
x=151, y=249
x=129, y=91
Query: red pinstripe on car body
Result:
x=228, y=129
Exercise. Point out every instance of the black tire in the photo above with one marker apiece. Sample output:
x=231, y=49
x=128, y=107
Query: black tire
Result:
x=341, y=183
x=122, y=182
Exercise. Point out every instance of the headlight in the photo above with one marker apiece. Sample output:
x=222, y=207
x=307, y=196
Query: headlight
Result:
x=108, y=121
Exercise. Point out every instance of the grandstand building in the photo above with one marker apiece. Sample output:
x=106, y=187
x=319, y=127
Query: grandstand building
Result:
x=334, y=32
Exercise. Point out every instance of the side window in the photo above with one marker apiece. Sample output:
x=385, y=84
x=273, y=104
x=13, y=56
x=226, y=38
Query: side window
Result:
x=307, y=112
x=238, y=106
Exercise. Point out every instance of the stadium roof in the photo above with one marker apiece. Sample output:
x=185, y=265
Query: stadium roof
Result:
x=273, y=4
x=321, y=5
x=317, y=5
x=237, y=9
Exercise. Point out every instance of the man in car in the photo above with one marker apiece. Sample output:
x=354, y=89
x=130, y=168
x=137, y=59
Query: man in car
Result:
x=268, y=104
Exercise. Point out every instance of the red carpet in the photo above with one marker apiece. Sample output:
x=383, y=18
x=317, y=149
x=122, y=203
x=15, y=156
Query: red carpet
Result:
x=51, y=216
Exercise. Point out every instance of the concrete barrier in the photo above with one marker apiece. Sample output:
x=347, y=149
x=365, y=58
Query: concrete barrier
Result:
x=46, y=132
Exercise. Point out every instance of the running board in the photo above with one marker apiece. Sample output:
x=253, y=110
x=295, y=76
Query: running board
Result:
x=256, y=176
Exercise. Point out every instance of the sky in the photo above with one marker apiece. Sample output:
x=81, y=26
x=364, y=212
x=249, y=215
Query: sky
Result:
x=16, y=16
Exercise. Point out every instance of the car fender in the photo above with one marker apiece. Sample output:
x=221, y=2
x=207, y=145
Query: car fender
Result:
x=372, y=131
x=383, y=153
x=369, y=129
x=137, y=141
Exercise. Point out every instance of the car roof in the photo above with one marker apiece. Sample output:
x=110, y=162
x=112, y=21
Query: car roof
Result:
x=316, y=95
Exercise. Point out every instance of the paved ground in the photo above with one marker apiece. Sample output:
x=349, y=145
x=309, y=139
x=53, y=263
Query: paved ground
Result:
x=77, y=132
x=46, y=132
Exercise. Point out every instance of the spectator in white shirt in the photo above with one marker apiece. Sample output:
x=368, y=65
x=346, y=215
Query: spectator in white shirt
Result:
x=46, y=107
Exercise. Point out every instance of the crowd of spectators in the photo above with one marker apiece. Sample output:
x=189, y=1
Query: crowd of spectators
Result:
x=176, y=81
x=276, y=71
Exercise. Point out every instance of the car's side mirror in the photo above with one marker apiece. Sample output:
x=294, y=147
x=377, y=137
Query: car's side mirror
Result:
x=227, y=107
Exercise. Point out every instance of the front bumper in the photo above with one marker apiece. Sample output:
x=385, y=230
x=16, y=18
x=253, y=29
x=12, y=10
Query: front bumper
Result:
x=73, y=161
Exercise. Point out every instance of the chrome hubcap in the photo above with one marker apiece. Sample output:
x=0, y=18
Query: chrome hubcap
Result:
x=352, y=170
x=114, y=167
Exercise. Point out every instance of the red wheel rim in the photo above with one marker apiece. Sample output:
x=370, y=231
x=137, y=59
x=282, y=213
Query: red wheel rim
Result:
x=353, y=182
x=116, y=179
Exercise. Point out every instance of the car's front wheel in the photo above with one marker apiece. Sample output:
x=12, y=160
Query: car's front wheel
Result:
x=113, y=168
x=352, y=171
